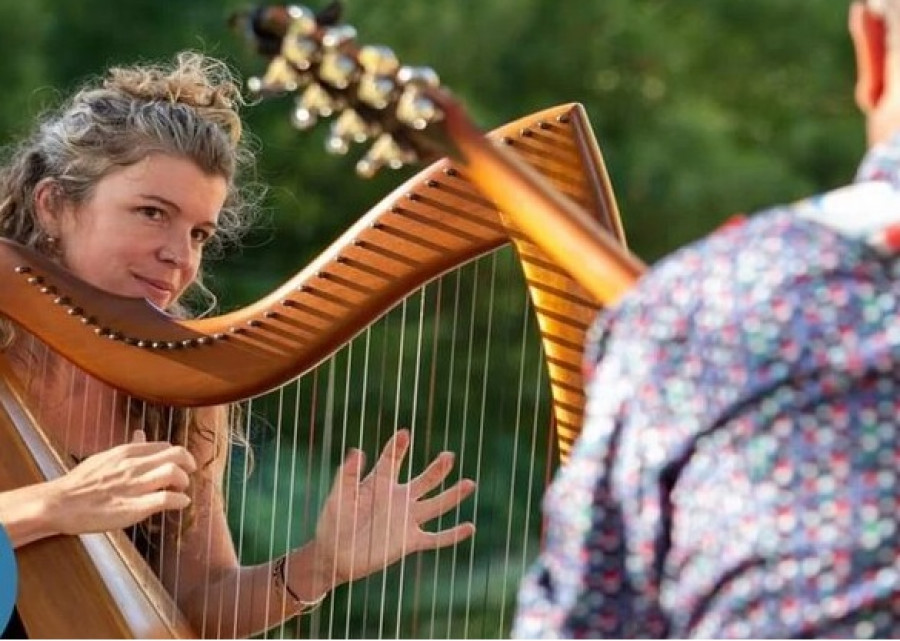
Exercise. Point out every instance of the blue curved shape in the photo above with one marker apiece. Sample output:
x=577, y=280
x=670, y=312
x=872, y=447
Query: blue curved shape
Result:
x=8, y=578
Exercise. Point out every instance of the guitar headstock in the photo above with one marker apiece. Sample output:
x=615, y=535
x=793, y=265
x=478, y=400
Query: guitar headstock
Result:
x=369, y=94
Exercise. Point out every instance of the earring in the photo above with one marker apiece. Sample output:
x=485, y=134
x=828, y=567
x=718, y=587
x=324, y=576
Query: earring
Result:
x=50, y=246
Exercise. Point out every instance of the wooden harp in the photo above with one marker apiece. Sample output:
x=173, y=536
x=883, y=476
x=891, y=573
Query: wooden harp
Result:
x=437, y=222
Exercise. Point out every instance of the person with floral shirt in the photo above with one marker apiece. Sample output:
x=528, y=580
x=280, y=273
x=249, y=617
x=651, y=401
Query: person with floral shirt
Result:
x=737, y=472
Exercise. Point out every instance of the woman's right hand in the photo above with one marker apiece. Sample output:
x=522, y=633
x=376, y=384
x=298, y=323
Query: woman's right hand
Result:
x=121, y=486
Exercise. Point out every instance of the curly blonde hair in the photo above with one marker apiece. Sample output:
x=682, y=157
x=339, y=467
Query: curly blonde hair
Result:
x=188, y=108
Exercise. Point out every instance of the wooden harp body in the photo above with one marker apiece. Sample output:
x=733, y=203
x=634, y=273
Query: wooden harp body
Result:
x=436, y=222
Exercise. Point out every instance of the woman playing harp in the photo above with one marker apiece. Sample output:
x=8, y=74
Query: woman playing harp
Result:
x=127, y=186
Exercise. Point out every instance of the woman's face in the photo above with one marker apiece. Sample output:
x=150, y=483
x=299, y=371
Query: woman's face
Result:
x=142, y=231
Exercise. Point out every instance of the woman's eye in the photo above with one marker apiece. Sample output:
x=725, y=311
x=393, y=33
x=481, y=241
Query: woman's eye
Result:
x=201, y=236
x=152, y=213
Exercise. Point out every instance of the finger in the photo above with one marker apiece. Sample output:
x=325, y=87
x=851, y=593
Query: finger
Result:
x=139, y=449
x=450, y=498
x=393, y=453
x=167, y=453
x=433, y=475
x=166, y=476
x=139, y=436
x=444, y=538
x=351, y=470
x=161, y=501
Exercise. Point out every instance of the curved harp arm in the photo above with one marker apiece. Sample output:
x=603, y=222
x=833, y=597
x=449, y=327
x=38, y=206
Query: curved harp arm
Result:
x=433, y=223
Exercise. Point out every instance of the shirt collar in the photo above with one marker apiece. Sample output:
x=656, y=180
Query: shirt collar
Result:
x=882, y=163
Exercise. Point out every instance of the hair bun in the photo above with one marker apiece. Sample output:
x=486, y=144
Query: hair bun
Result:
x=195, y=80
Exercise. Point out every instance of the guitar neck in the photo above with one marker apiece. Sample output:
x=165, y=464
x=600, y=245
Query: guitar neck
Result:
x=410, y=118
x=597, y=260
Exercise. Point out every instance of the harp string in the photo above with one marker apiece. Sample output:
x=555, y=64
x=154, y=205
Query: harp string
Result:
x=279, y=414
x=451, y=379
x=378, y=598
x=429, y=444
x=344, y=444
x=520, y=387
x=367, y=351
x=479, y=434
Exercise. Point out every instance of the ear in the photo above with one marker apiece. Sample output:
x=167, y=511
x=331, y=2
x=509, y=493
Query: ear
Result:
x=48, y=206
x=868, y=32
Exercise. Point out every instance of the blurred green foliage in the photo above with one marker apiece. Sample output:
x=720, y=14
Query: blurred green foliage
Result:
x=702, y=108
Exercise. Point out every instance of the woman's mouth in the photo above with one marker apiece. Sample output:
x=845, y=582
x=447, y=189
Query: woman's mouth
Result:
x=158, y=292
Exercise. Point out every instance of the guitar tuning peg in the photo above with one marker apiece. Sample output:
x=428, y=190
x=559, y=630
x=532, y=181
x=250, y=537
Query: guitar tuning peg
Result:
x=416, y=110
x=348, y=128
x=384, y=152
x=353, y=126
x=418, y=76
x=303, y=119
x=376, y=84
x=376, y=91
x=337, y=145
x=413, y=108
x=314, y=102
x=338, y=36
x=303, y=21
x=338, y=69
x=378, y=60
x=298, y=45
x=300, y=51
x=280, y=76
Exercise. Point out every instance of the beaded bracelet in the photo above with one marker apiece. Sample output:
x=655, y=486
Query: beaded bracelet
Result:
x=279, y=576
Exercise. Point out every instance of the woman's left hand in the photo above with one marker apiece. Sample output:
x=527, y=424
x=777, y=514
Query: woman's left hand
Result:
x=369, y=523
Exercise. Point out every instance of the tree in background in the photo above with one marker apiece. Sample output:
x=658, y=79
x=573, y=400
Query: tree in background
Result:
x=702, y=108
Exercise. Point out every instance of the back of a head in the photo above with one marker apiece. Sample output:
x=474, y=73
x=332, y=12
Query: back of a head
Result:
x=890, y=11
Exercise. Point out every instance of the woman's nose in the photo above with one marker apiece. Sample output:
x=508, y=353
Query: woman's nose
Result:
x=175, y=251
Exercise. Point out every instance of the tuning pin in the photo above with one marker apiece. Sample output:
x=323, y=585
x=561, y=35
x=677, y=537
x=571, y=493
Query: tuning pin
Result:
x=337, y=145
x=416, y=110
x=376, y=84
x=419, y=76
x=413, y=108
x=378, y=60
x=349, y=127
x=338, y=36
x=384, y=152
x=338, y=69
x=303, y=21
x=298, y=46
x=279, y=76
x=314, y=102
x=300, y=51
x=316, y=99
x=303, y=118
x=376, y=91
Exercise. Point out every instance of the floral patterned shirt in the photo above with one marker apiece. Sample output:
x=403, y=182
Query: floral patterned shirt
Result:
x=737, y=472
